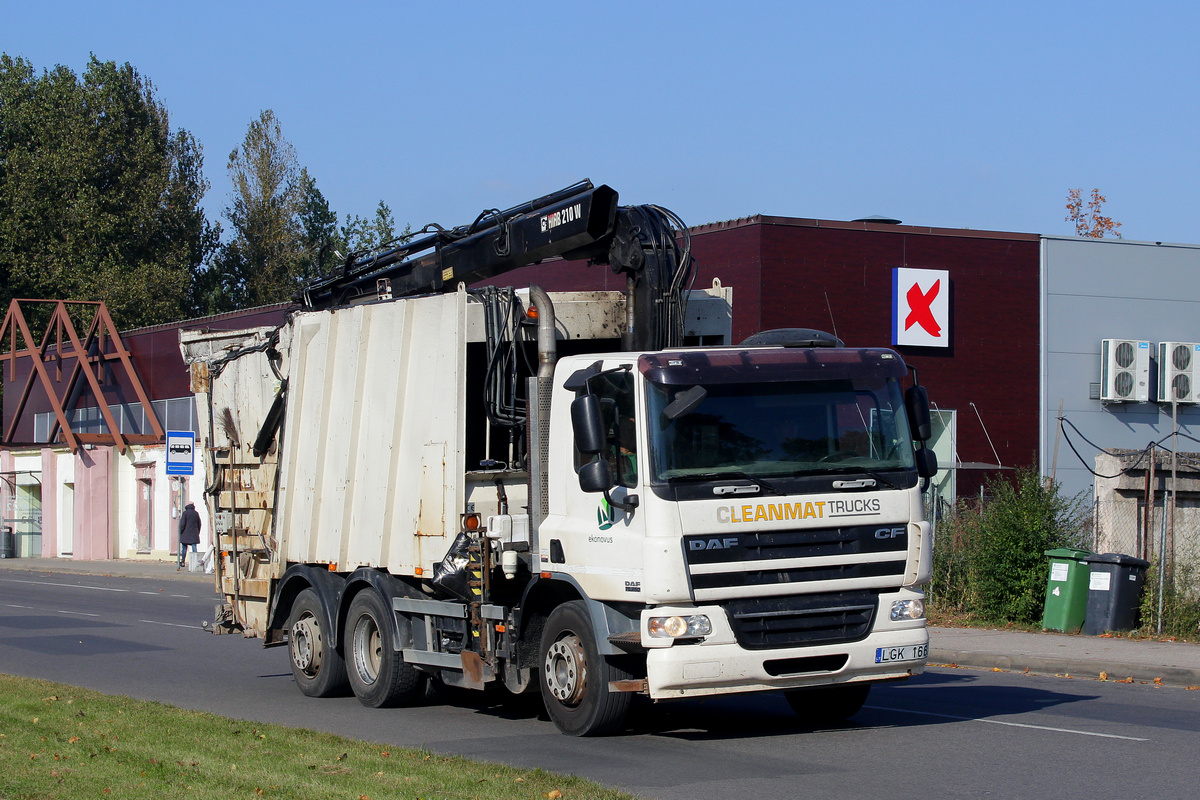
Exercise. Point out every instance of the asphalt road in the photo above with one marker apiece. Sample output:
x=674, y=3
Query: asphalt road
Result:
x=950, y=733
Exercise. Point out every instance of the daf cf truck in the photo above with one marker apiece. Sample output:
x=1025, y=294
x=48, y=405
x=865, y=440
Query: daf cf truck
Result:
x=414, y=480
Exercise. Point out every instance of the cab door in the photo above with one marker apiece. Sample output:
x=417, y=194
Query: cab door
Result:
x=585, y=535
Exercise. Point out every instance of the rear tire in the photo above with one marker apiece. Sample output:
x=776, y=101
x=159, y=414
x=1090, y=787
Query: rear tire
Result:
x=574, y=676
x=378, y=674
x=823, y=706
x=317, y=666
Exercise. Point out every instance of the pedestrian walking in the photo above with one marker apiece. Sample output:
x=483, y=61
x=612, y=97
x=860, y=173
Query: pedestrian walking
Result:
x=189, y=533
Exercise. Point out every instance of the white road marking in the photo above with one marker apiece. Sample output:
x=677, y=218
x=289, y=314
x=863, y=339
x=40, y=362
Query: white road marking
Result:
x=1010, y=724
x=14, y=605
x=81, y=613
x=172, y=624
x=67, y=585
x=184, y=596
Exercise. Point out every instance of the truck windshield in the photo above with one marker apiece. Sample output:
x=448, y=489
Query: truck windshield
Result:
x=781, y=428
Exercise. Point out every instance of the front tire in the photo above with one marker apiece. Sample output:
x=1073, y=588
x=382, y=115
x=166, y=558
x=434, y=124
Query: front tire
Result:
x=824, y=706
x=317, y=666
x=574, y=676
x=378, y=674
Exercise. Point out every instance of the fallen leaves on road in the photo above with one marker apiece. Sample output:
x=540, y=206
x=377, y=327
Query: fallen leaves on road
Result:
x=1103, y=675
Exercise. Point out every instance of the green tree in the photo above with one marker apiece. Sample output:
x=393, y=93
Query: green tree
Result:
x=283, y=230
x=360, y=233
x=99, y=198
x=320, y=238
x=261, y=263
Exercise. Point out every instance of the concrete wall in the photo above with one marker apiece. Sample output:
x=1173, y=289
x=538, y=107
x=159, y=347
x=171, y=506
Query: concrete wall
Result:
x=1094, y=289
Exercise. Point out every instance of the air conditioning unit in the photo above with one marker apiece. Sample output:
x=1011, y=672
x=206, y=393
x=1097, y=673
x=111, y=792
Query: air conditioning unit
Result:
x=1178, y=372
x=1124, y=371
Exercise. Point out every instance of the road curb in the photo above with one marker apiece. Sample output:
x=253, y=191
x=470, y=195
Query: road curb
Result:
x=1091, y=669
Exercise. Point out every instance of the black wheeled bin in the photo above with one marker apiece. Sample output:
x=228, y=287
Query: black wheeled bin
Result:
x=1114, y=592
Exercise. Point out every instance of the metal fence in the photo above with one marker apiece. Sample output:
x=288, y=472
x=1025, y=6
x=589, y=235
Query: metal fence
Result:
x=1165, y=532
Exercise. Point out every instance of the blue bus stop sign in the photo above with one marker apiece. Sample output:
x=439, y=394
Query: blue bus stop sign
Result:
x=181, y=449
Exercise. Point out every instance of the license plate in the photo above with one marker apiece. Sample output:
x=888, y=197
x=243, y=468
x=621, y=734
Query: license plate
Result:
x=910, y=653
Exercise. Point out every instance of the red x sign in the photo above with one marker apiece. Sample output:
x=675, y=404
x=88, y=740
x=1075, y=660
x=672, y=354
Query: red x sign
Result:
x=920, y=307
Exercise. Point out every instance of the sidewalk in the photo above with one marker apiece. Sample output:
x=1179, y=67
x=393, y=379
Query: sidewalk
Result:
x=1174, y=663
x=119, y=567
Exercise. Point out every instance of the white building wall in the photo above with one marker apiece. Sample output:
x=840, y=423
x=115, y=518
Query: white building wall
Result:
x=165, y=513
x=64, y=496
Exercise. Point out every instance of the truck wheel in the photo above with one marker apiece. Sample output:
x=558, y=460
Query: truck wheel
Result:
x=378, y=674
x=575, y=676
x=828, y=705
x=318, y=667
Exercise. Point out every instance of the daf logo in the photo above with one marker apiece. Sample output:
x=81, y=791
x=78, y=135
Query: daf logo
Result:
x=713, y=544
x=889, y=533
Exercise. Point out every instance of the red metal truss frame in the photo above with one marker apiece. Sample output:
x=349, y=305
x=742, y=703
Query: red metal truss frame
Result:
x=90, y=353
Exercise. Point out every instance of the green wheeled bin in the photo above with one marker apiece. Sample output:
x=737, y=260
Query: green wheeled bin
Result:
x=1066, y=590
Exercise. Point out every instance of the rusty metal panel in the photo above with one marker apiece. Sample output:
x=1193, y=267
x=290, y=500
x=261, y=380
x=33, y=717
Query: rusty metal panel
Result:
x=198, y=375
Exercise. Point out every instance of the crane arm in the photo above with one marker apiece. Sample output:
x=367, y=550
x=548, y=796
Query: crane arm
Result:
x=580, y=222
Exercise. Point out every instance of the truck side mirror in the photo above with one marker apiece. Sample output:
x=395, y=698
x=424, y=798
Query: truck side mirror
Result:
x=927, y=465
x=596, y=476
x=587, y=423
x=916, y=403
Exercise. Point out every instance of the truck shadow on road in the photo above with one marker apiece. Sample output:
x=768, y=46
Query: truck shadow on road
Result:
x=931, y=699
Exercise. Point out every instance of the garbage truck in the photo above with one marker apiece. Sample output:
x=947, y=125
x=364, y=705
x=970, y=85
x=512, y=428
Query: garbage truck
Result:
x=420, y=476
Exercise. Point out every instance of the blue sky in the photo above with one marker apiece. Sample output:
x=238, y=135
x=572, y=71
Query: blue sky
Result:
x=956, y=114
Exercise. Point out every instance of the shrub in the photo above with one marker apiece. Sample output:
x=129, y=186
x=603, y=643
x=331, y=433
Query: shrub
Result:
x=1180, y=603
x=990, y=561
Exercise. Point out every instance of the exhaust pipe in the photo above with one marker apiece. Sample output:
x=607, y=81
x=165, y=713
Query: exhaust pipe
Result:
x=547, y=345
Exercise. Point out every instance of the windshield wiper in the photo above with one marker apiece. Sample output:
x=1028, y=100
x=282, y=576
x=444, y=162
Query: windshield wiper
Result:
x=863, y=470
x=732, y=473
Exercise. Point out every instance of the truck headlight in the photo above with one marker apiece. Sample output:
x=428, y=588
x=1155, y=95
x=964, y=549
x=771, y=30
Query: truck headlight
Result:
x=680, y=627
x=907, y=609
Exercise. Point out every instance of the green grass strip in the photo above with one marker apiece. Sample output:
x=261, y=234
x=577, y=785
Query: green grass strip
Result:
x=59, y=741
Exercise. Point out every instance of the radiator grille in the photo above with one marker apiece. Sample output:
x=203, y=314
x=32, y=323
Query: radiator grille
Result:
x=768, y=623
x=796, y=561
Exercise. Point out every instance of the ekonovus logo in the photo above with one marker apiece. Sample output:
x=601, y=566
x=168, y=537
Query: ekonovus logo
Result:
x=604, y=515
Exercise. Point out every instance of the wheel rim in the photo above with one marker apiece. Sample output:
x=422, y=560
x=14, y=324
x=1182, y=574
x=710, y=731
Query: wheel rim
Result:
x=566, y=670
x=305, y=644
x=368, y=649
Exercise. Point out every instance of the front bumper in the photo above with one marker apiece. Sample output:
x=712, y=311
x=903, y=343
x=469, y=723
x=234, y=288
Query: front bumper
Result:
x=719, y=665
